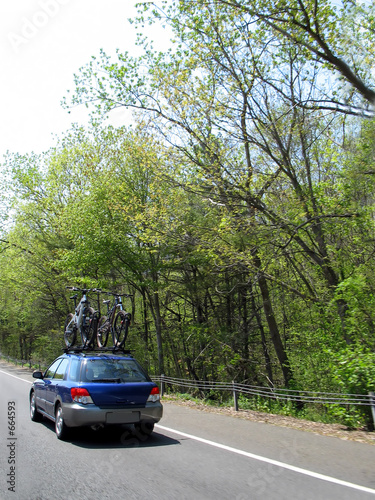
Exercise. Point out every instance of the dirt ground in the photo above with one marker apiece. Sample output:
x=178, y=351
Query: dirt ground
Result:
x=334, y=430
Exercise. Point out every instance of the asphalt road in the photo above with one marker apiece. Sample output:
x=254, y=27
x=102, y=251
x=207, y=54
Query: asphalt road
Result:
x=191, y=455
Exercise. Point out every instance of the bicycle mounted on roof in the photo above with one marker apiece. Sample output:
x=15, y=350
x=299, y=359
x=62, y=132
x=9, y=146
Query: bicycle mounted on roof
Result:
x=116, y=321
x=81, y=321
x=92, y=326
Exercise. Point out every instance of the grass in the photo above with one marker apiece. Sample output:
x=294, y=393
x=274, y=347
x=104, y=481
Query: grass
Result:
x=312, y=413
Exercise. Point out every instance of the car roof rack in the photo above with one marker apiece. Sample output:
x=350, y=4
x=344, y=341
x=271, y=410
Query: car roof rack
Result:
x=89, y=350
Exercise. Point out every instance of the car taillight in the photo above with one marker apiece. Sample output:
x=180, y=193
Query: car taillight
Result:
x=154, y=395
x=81, y=395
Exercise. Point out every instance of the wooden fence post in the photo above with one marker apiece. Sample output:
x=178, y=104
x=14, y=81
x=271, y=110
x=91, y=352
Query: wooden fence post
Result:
x=235, y=399
x=372, y=401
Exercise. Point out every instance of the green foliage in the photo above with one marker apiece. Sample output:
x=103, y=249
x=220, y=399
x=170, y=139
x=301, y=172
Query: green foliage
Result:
x=350, y=416
x=353, y=371
x=237, y=210
x=47, y=347
x=359, y=301
x=268, y=405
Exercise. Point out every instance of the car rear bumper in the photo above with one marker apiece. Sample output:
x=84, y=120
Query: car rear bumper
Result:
x=76, y=415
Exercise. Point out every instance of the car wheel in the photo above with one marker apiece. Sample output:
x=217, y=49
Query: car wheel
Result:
x=143, y=429
x=34, y=414
x=62, y=431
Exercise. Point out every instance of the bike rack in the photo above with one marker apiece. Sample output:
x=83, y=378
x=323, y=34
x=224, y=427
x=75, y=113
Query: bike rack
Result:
x=88, y=349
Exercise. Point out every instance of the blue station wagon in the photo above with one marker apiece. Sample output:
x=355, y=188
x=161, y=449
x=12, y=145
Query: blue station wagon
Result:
x=95, y=389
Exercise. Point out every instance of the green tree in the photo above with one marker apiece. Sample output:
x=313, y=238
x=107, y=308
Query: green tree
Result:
x=228, y=97
x=325, y=32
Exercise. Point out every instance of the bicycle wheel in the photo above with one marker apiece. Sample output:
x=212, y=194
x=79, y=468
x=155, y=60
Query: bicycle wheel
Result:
x=102, y=332
x=69, y=331
x=88, y=328
x=120, y=328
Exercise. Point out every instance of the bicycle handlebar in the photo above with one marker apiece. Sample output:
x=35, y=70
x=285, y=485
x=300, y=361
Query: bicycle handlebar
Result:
x=83, y=290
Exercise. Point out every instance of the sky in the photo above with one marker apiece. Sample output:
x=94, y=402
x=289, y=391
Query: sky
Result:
x=42, y=44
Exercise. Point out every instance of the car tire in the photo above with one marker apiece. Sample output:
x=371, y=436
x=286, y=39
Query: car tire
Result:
x=61, y=429
x=34, y=413
x=143, y=429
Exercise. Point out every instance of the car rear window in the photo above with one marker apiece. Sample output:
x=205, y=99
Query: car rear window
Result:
x=113, y=370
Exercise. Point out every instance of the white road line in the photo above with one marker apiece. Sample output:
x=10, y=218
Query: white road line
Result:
x=15, y=376
x=270, y=461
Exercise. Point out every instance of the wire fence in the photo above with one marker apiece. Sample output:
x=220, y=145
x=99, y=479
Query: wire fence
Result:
x=284, y=395
x=235, y=389
x=268, y=392
x=25, y=363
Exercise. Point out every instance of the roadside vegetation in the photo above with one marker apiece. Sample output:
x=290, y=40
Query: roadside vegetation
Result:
x=237, y=207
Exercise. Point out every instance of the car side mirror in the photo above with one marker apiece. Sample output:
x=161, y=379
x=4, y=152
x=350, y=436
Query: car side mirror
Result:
x=38, y=374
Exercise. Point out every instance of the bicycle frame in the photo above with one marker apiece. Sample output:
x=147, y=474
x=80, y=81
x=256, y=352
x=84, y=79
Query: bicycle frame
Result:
x=117, y=305
x=78, y=319
x=111, y=312
x=107, y=327
x=79, y=310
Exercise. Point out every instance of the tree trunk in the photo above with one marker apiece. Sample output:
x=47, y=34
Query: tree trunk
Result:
x=272, y=324
x=266, y=354
x=155, y=309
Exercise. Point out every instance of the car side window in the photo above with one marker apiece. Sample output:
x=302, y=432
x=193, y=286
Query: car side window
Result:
x=75, y=365
x=49, y=373
x=61, y=369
